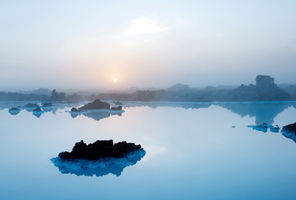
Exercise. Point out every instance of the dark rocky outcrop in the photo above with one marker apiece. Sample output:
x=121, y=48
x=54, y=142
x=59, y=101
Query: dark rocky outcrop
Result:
x=100, y=149
x=97, y=104
x=289, y=131
x=97, y=110
x=291, y=128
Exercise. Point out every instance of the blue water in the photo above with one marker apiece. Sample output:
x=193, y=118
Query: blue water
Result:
x=193, y=151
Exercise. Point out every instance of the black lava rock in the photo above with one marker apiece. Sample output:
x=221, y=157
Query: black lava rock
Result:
x=291, y=128
x=100, y=149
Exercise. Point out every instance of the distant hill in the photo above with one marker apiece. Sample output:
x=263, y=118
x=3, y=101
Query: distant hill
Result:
x=265, y=89
x=40, y=91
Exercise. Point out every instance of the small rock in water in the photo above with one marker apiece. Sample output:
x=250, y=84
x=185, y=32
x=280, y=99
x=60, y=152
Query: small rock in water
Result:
x=97, y=104
x=100, y=149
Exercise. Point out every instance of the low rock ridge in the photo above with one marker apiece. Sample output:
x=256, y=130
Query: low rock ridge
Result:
x=97, y=105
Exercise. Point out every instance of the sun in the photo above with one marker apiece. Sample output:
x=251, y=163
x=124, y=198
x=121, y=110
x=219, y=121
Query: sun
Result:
x=115, y=80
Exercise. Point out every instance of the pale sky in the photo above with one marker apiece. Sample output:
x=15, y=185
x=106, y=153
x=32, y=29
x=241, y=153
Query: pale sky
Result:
x=121, y=44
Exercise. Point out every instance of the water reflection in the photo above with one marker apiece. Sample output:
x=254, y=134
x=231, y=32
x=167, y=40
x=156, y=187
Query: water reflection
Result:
x=37, y=112
x=265, y=127
x=186, y=105
x=37, y=109
x=264, y=112
x=98, y=168
x=290, y=135
x=14, y=110
x=96, y=115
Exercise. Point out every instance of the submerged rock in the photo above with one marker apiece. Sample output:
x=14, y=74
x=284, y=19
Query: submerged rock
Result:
x=99, y=167
x=14, y=110
x=97, y=104
x=100, y=149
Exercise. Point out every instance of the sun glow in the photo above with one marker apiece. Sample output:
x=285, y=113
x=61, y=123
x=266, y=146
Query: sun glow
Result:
x=115, y=80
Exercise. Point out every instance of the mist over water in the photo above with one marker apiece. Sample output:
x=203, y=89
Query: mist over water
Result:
x=147, y=100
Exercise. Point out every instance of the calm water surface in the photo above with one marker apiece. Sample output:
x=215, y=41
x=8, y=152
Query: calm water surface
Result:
x=192, y=152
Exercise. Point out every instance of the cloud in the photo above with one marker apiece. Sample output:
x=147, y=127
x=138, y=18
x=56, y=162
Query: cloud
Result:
x=144, y=25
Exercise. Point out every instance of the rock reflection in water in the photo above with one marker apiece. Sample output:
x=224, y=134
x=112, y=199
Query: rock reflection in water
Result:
x=264, y=112
x=102, y=167
x=96, y=115
x=265, y=127
x=14, y=110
